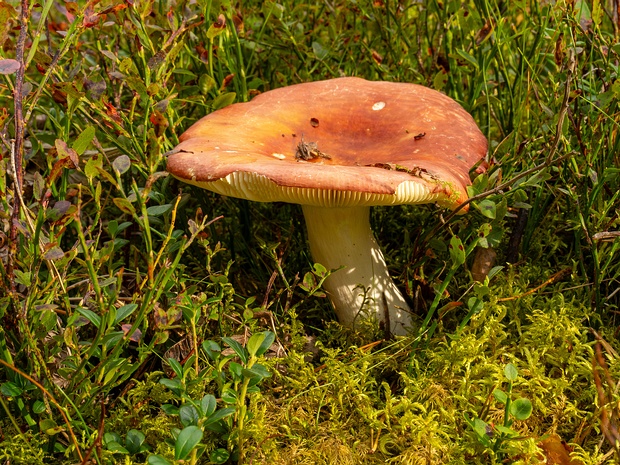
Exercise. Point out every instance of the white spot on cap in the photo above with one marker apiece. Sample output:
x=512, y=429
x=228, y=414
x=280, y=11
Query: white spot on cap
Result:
x=279, y=156
x=378, y=106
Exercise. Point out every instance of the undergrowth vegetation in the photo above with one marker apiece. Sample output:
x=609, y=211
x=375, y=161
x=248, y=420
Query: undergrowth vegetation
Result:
x=144, y=321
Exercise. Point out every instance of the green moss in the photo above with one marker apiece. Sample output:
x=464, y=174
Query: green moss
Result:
x=27, y=449
x=361, y=406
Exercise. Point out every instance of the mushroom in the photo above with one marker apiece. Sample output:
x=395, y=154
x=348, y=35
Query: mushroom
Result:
x=338, y=147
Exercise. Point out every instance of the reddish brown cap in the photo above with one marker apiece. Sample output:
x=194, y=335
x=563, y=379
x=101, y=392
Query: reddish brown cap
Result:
x=340, y=142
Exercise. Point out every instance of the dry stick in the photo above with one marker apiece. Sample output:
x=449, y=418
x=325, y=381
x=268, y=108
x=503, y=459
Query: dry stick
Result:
x=554, y=277
x=17, y=148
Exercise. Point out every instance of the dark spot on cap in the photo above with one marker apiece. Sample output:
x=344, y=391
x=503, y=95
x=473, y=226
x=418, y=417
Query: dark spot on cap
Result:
x=314, y=122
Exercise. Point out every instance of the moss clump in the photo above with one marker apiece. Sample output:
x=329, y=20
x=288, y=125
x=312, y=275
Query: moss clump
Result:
x=389, y=405
x=27, y=449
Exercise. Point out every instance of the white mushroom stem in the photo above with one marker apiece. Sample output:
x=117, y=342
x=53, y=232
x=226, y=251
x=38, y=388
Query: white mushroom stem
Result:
x=343, y=237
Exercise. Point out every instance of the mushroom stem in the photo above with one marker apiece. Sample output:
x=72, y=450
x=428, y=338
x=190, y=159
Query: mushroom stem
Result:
x=343, y=237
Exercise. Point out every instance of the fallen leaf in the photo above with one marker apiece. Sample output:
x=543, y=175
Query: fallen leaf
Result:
x=557, y=452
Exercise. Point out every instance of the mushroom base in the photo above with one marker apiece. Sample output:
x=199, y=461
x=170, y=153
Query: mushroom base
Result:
x=342, y=237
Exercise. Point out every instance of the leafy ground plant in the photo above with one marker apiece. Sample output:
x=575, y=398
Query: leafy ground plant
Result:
x=235, y=381
x=492, y=436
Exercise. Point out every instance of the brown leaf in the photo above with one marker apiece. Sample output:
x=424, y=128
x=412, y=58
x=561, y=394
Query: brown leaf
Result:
x=91, y=17
x=227, y=80
x=112, y=112
x=57, y=169
x=485, y=31
x=557, y=452
x=64, y=151
x=8, y=14
x=378, y=58
x=238, y=22
x=135, y=336
x=484, y=260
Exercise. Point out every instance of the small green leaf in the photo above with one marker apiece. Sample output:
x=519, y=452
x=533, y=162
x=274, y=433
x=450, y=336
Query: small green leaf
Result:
x=219, y=415
x=236, y=370
x=440, y=80
x=487, y=208
x=457, y=251
x=212, y=349
x=506, y=431
x=266, y=344
x=223, y=100
x=157, y=460
x=124, y=312
x=475, y=305
x=208, y=405
x=83, y=140
x=510, y=372
x=494, y=271
x=173, y=384
x=467, y=57
x=38, y=407
x=116, y=447
x=134, y=440
x=176, y=367
x=188, y=415
x=237, y=348
x=309, y=282
x=319, y=269
x=254, y=343
x=188, y=438
x=521, y=408
x=169, y=409
x=257, y=371
x=219, y=456
x=229, y=395
x=158, y=210
x=481, y=429
x=49, y=427
x=111, y=437
x=23, y=277
x=500, y=396
x=205, y=83
x=10, y=389
x=90, y=316
x=124, y=205
x=93, y=165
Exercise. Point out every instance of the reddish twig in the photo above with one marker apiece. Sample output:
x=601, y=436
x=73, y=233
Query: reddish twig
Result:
x=608, y=413
x=17, y=152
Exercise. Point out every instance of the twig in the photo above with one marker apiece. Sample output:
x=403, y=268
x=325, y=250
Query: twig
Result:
x=609, y=424
x=17, y=152
x=554, y=277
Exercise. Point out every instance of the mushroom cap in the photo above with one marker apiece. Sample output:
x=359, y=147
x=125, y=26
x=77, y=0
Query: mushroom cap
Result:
x=334, y=143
